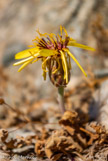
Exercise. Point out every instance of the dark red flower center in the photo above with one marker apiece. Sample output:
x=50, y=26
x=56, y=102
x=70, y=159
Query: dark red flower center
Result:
x=56, y=43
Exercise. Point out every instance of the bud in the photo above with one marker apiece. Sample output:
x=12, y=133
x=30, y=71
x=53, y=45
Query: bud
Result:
x=56, y=73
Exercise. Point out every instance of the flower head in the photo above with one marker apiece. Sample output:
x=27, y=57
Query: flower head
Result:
x=53, y=51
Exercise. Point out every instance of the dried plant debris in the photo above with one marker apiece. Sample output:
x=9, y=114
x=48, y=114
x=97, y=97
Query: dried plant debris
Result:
x=72, y=139
x=10, y=144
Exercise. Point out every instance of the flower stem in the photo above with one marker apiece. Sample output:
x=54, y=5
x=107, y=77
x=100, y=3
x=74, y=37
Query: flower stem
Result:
x=61, y=99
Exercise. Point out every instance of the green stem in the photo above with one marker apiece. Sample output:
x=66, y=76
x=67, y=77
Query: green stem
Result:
x=61, y=99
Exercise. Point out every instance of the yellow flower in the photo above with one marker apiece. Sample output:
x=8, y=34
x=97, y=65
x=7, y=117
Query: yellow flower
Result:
x=53, y=51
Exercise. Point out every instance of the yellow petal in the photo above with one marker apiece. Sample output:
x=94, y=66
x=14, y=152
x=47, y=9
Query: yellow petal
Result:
x=47, y=52
x=71, y=55
x=44, y=64
x=65, y=65
x=24, y=65
x=71, y=43
x=44, y=75
x=35, y=60
x=26, y=53
x=27, y=59
x=23, y=61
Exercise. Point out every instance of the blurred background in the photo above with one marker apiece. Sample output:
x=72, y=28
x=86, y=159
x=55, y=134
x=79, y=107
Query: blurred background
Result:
x=85, y=20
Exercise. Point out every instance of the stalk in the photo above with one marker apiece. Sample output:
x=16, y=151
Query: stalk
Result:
x=61, y=99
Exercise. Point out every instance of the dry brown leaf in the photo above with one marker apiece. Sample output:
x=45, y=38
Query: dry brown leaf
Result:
x=39, y=148
x=60, y=142
x=11, y=143
x=3, y=135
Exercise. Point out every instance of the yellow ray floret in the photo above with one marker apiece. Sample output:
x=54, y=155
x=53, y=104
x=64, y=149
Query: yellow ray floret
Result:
x=47, y=52
x=23, y=61
x=24, y=65
x=44, y=64
x=76, y=61
x=30, y=55
x=26, y=53
x=26, y=60
x=72, y=43
x=64, y=66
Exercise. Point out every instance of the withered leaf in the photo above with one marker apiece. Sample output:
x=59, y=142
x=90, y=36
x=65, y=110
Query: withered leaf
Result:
x=39, y=148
